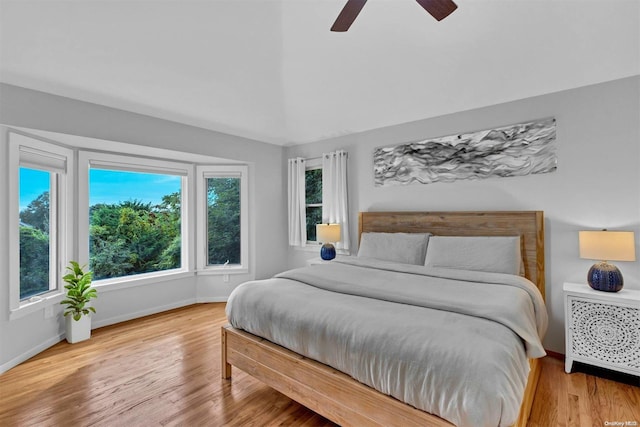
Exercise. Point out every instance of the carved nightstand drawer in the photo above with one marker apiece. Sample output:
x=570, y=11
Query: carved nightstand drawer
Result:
x=602, y=329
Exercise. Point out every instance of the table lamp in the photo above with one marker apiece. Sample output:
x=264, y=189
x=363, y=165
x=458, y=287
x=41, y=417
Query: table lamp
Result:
x=606, y=246
x=327, y=234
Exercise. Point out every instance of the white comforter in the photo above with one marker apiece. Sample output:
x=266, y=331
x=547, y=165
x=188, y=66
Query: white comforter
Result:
x=450, y=342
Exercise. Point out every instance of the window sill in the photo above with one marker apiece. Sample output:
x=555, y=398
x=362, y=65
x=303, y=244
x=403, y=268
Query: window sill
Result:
x=315, y=248
x=222, y=271
x=34, y=304
x=310, y=247
x=108, y=285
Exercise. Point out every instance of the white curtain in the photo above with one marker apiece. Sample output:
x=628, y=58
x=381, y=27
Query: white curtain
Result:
x=296, y=203
x=335, y=204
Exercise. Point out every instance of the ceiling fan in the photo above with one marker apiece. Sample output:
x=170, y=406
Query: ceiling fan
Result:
x=439, y=9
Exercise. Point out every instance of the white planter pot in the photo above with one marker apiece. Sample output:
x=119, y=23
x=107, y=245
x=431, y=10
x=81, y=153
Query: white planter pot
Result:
x=78, y=330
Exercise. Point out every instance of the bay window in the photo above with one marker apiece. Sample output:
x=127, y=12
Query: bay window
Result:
x=130, y=219
x=222, y=211
x=134, y=220
x=40, y=196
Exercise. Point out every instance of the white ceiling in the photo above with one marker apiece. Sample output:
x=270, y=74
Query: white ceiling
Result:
x=271, y=70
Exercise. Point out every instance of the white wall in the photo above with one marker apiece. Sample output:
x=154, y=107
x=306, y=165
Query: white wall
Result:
x=24, y=337
x=598, y=137
x=597, y=184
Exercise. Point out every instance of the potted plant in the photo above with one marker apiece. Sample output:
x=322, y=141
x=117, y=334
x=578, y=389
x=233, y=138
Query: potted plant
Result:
x=79, y=294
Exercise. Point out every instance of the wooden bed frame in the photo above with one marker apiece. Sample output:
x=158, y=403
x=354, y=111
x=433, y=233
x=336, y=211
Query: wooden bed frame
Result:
x=339, y=397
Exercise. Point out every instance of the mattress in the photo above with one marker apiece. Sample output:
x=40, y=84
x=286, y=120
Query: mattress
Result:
x=453, y=343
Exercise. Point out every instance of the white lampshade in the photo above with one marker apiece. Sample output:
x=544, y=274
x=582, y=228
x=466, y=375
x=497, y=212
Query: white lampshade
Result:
x=607, y=245
x=328, y=233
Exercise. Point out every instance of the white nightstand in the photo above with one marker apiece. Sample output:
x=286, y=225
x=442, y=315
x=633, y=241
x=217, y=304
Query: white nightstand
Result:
x=602, y=328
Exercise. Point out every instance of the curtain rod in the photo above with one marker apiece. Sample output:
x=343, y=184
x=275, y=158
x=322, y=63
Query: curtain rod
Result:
x=320, y=157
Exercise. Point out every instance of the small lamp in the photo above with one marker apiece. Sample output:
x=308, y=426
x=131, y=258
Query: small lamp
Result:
x=328, y=233
x=610, y=246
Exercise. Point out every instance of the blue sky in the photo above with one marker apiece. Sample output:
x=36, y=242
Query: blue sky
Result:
x=32, y=184
x=105, y=186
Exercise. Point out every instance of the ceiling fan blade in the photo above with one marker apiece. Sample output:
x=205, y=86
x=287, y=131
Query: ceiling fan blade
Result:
x=439, y=9
x=349, y=13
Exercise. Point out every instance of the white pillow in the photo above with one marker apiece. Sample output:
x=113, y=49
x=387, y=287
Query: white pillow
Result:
x=493, y=254
x=405, y=248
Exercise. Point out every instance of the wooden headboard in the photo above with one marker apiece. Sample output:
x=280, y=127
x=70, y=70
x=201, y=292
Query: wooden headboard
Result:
x=529, y=225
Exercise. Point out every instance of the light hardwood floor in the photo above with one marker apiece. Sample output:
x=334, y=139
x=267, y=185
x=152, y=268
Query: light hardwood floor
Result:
x=165, y=370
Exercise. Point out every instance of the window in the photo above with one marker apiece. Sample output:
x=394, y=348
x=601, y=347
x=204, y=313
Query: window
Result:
x=313, y=200
x=39, y=172
x=320, y=198
x=133, y=216
x=134, y=222
x=36, y=238
x=223, y=213
x=223, y=221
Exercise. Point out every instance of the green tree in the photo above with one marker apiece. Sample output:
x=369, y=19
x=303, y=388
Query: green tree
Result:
x=133, y=237
x=36, y=214
x=313, y=186
x=223, y=220
x=136, y=205
x=171, y=255
x=105, y=216
x=34, y=261
x=171, y=203
x=313, y=195
x=110, y=258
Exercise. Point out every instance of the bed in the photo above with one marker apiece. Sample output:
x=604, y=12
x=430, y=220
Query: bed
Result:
x=347, y=401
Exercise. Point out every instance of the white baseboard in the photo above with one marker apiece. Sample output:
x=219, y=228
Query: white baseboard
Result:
x=30, y=353
x=211, y=299
x=142, y=313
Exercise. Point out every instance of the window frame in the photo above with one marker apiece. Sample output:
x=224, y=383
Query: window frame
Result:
x=203, y=172
x=133, y=163
x=29, y=151
x=312, y=164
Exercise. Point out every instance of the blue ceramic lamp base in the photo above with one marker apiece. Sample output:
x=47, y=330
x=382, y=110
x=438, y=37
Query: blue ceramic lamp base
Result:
x=327, y=252
x=605, y=277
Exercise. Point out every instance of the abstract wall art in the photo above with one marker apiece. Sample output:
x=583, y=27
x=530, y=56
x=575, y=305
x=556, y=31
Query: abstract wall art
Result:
x=515, y=150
